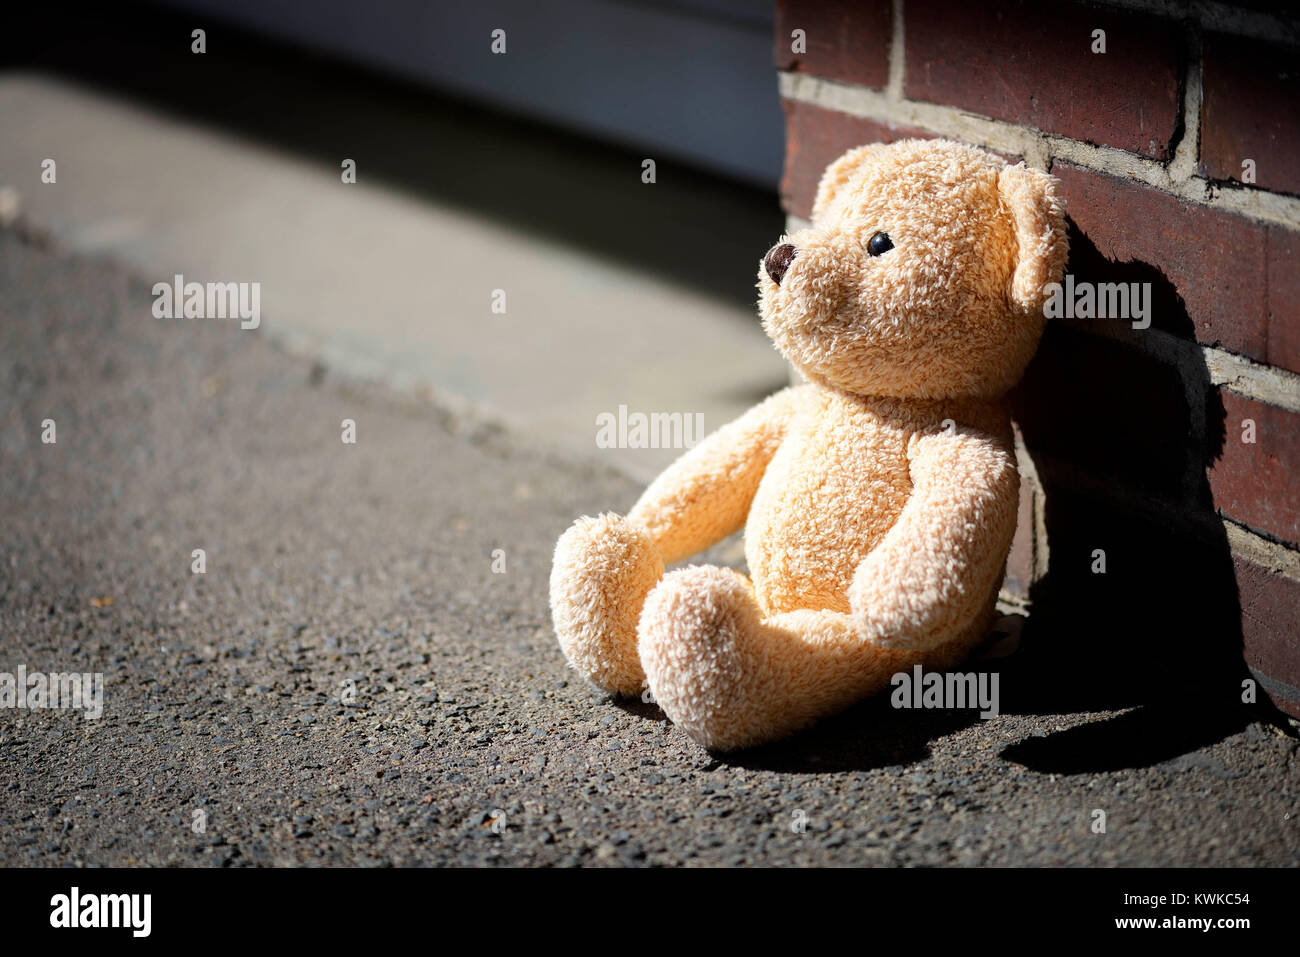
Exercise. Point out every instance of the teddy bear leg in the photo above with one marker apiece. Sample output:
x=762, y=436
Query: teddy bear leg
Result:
x=732, y=679
x=603, y=569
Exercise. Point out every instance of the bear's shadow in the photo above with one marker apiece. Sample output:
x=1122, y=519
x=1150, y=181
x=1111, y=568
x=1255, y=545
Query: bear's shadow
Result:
x=1120, y=443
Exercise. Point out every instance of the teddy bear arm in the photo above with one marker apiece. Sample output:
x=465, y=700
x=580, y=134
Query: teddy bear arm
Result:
x=706, y=494
x=934, y=571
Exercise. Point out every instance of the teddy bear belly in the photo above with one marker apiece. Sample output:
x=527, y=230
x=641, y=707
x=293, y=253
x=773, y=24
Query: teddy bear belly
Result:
x=809, y=528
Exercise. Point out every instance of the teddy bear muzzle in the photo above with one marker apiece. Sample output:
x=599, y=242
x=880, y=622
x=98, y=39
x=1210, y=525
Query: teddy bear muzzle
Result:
x=778, y=260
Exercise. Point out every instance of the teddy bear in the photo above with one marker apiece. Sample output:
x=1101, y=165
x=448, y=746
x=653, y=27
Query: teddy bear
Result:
x=878, y=498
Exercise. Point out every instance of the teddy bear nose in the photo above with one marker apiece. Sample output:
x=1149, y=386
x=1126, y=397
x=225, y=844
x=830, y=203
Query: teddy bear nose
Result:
x=777, y=261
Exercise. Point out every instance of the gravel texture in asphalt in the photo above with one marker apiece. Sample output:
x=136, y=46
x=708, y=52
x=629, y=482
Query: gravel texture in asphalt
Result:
x=365, y=673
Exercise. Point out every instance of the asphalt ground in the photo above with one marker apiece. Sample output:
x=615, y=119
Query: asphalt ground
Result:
x=353, y=682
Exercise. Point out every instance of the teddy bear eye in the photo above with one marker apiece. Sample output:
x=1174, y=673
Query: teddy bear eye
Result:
x=879, y=244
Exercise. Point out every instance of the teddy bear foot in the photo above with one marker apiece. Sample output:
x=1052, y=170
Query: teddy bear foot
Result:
x=704, y=648
x=603, y=569
x=732, y=679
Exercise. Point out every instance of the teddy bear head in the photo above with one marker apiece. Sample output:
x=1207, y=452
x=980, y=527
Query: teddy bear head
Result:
x=922, y=274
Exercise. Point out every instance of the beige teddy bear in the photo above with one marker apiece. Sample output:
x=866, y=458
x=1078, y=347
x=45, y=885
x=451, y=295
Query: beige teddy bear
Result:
x=879, y=501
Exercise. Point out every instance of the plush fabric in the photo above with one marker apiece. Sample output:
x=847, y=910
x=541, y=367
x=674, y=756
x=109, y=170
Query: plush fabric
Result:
x=878, y=501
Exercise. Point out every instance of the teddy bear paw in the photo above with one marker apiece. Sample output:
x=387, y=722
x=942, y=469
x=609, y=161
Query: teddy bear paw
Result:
x=701, y=648
x=603, y=569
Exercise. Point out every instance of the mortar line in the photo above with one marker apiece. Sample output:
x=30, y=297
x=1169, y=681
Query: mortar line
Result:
x=1188, y=149
x=897, y=47
x=1276, y=558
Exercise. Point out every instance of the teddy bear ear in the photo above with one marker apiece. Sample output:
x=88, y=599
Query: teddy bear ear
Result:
x=1042, y=246
x=839, y=173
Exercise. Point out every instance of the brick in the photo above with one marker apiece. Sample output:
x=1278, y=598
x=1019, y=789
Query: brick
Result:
x=846, y=40
x=1283, y=278
x=1270, y=630
x=1251, y=110
x=1031, y=63
x=1258, y=484
x=814, y=138
x=1208, y=267
x=1107, y=409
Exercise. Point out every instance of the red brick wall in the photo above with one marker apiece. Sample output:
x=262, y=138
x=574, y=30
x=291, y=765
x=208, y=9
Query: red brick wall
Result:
x=1134, y=441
